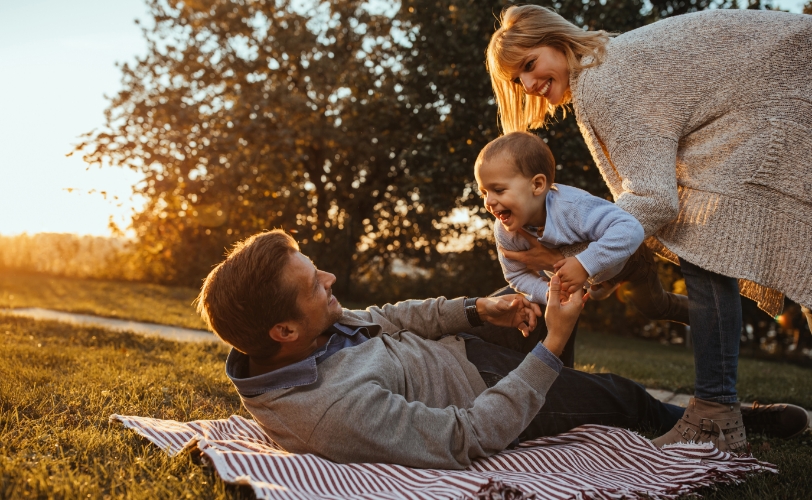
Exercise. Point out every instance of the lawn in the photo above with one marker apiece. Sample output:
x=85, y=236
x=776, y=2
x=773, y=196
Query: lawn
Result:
x=113, y=299
x=59, y=383
x=672, y=367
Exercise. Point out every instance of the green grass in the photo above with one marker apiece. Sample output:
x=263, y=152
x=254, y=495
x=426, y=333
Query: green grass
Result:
x=671, y=367
x=112, y=299
x=59, y=384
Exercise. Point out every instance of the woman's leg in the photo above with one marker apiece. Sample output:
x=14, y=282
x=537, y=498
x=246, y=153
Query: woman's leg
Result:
x=713, y=414
x=716, y=324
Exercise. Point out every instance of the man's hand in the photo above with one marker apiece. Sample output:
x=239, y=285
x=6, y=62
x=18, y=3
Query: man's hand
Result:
x=572, y=274
x=538, y=258
x=509, y=310
x=561, y=315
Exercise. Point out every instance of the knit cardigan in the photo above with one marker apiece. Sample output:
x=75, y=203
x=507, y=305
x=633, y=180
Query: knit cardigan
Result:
x=701, y=126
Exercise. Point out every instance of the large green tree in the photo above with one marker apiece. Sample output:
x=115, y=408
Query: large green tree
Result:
x=354, y=127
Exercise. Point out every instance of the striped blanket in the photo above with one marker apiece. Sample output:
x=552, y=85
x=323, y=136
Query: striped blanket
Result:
x=588, y=462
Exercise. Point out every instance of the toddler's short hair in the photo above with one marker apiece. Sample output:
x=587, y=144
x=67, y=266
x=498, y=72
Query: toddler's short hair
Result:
x=528, y=152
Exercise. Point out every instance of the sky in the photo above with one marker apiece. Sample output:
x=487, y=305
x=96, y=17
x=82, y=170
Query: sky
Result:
x=57, y=63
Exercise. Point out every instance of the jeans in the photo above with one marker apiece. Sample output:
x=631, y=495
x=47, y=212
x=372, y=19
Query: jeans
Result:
x=576, y=398
x=715, y=311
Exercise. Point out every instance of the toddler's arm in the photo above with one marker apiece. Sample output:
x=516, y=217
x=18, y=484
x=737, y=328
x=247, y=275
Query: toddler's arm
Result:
x=614, y=235
x=519, y=277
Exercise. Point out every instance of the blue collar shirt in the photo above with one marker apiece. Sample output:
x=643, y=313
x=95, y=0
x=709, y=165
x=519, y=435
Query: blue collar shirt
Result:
x=301, y=373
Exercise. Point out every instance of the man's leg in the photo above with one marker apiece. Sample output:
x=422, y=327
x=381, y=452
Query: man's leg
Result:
x=577, y=398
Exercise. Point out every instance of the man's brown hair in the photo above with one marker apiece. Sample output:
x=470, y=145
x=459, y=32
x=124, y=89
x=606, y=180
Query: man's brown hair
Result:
x=246, y=294
x=529, y=154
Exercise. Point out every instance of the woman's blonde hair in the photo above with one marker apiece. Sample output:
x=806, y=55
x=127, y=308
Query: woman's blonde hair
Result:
x=527, y=27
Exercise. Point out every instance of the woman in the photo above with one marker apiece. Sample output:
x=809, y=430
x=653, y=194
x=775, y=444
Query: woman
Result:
x=701, y=125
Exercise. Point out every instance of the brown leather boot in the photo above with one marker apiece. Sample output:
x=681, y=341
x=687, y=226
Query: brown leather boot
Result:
x=709, y=422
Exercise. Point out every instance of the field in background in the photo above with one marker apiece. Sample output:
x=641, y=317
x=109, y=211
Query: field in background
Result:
x=113, y=299
x=59, y=383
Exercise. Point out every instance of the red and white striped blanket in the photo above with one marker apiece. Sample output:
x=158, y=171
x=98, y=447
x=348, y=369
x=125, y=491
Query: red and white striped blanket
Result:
x=588, y=462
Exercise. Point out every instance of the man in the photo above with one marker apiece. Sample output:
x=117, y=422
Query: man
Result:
x=394, y=383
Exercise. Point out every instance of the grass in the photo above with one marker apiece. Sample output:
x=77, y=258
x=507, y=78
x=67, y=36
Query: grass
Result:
x=59, y=383
x=672, y=367
x=112, y=299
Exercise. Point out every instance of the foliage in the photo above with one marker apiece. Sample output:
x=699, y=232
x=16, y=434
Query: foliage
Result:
x=354, y=127
x=59, y=383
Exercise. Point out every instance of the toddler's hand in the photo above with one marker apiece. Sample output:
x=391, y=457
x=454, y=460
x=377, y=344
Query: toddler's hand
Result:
x=572, y=274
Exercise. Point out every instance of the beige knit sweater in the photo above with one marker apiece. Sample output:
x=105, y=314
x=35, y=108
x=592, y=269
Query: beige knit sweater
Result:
x=701, y=126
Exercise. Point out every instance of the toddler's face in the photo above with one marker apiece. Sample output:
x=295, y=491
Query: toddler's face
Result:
x=515, y=200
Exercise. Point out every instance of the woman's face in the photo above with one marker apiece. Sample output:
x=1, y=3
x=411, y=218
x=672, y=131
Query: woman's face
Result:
x=545, y=73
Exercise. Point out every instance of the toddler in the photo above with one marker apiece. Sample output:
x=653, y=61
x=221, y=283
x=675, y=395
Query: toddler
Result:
x=515, y=174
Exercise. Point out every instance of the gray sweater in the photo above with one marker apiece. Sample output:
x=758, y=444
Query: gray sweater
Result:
x=701, y=126
x=403, y=397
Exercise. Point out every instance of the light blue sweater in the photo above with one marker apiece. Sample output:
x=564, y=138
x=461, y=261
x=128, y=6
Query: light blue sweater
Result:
x=573, y=216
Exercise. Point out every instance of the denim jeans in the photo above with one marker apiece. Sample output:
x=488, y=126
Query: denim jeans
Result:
x=715, y=309
x=576, y=398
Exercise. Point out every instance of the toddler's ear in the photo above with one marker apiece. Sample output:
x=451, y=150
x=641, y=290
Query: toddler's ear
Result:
x=539, y=183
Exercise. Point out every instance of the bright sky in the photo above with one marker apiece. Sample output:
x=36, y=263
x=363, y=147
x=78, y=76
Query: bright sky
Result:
x=57, y=62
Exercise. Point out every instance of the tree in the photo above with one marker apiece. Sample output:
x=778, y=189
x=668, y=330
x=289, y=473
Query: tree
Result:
x=355, y=128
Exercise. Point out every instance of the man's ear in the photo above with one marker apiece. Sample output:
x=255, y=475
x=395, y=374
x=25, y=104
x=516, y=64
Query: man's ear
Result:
x=539, y=183
x=284, y=332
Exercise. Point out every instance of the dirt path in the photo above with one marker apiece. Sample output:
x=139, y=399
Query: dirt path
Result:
x=149, y=329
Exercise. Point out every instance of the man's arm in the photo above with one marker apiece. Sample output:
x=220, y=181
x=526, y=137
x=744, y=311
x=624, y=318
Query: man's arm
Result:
x=433, y=318
x=373, y=424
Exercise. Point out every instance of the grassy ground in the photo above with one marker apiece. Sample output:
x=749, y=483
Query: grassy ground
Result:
x=113, y=299
x=59, y=383
x=671, y=367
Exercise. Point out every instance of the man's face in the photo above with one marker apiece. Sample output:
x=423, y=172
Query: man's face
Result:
x=315, y=300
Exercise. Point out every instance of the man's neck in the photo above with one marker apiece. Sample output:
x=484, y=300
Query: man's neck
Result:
x=286, y=356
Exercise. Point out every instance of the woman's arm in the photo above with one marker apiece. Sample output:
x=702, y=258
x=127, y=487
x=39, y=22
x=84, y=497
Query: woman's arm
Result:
x=648, y=169
x=537, y=257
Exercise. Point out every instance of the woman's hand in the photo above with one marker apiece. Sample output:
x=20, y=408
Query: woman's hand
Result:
x=561, y=314
x=509, y=310
x=538, y=258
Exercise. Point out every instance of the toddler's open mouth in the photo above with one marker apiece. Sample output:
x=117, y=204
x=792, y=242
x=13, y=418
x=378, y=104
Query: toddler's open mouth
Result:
x=502, y=215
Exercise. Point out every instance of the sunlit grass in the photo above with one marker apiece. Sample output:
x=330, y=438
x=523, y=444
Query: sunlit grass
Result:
x=60, y=383
x=113, y=299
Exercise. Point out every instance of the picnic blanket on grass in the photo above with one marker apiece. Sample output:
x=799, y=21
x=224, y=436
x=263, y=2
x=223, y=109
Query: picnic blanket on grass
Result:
x=591, y=461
